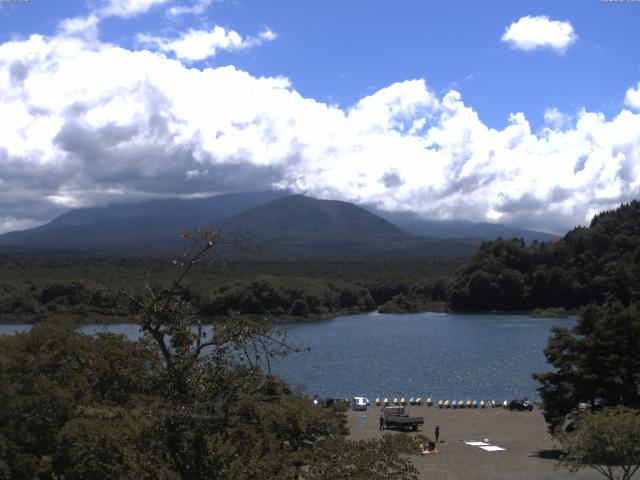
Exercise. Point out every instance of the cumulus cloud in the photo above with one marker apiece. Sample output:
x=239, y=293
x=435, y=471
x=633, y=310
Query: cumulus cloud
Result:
x=531, y=33
x=632, y=99
x=556, y=119
x=197, y=45
x=81, y=26
x=127, y=8
x=85, y=123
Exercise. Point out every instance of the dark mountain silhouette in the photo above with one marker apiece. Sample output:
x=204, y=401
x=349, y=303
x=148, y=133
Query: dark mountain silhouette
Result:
x=151, y=224
x=305, y=228
x=287, y=226
x=298, y=216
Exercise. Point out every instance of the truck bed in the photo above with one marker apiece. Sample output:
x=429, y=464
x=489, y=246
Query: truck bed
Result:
x=403, y=421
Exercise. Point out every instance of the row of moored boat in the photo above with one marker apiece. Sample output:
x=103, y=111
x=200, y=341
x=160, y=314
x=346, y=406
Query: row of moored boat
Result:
x=441, y=403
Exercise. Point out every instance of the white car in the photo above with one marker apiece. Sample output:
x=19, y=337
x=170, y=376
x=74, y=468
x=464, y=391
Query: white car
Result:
x=360, y=403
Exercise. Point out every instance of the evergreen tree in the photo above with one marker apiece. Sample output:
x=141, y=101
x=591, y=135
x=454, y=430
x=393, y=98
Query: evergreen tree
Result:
x=596, y=362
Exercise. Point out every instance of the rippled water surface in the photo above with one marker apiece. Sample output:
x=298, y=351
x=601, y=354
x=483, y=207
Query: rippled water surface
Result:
x=429, y=354
x=450, y=356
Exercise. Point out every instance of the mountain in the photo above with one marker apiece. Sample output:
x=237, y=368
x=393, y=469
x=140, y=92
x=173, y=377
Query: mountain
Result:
x=306, y=228
x=297, y=216
x=278, y=225
x=288, y=226
x=151, y=224
x=413, y=223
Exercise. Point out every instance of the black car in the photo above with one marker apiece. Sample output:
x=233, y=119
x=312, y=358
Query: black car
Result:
x=520, y=405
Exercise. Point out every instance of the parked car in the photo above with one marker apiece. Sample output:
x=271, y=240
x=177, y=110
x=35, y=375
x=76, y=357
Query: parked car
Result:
x=520, y=405
x=359, y=403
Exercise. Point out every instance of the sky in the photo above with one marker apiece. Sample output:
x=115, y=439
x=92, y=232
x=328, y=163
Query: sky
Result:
x=525, y=113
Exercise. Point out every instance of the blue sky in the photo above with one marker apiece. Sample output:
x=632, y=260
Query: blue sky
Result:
x=339, y=52
x=332, y=99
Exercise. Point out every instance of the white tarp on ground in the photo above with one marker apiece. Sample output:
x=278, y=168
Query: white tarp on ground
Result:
x=491, y=448
x=477, y=444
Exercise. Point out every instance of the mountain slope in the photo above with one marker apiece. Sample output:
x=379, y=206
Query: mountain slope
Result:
x=297, y=216
x=281, y=227
x=151, y=224
x=306, y=228
x=413, y=223
x=292, y=226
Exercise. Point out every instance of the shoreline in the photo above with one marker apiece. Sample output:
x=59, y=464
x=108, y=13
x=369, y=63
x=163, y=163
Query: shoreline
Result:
x=287, y=319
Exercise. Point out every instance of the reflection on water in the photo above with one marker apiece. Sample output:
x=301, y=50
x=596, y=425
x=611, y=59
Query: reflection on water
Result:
x=448, y=356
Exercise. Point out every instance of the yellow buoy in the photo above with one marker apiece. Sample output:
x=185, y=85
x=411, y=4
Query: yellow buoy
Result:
x=429, y=402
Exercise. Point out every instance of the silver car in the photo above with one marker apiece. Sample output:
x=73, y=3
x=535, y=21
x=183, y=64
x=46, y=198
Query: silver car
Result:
x=360, y=403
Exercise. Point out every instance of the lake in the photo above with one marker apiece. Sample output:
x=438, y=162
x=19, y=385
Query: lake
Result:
x=439, y=355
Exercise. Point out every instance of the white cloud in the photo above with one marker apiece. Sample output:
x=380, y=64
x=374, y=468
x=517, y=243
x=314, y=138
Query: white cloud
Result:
x=632, y=98
x=556, y=119
x=531, y=33
x=196, y=8
x=202, y=44
x=127, y=8
x=84, y=123
x=82, y=26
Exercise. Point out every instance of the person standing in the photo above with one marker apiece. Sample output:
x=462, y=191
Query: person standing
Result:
x=437, y=433
x=381, y=422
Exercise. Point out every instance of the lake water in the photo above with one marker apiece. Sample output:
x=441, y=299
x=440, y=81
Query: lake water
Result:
x=439, y=355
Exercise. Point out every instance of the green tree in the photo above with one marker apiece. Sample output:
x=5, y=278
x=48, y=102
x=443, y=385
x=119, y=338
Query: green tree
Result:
x=607, y=441
x=222, y=410
x=597, y=362
x=51, y=376
x=376, y=459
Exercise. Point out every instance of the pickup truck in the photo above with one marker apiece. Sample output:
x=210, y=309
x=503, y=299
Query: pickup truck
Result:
x=398, y=417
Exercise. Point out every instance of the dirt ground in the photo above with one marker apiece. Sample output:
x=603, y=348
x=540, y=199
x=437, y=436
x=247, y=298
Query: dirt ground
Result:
x=530, y=452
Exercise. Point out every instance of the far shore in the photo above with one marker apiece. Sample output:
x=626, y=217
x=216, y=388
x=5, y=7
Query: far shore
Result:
x=290, y=319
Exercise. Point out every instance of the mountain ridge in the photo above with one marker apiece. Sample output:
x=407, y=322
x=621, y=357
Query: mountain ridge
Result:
x=275, y=218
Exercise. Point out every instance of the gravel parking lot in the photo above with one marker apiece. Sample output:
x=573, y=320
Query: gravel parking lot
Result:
x=530, y=452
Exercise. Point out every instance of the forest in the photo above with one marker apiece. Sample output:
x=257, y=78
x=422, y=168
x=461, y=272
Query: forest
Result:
x=86, y=289
x=588, y=265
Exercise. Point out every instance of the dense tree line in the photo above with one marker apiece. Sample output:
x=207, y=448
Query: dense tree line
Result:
x=34, y=288
x=588, y=265
x=294, y=297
